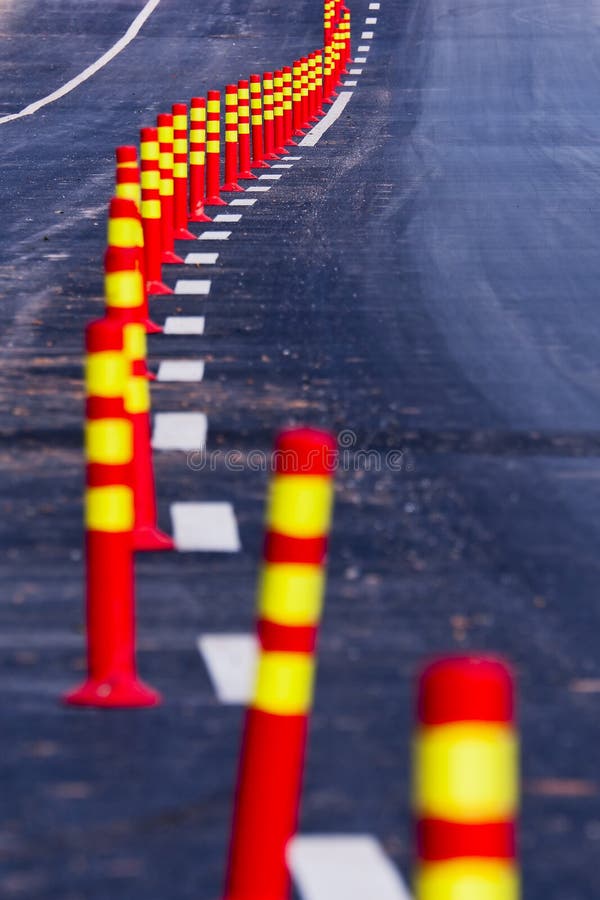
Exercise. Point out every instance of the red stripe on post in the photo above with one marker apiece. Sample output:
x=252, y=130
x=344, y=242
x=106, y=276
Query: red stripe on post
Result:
x=286, y=638
x=280, y=548
x=465, y=689
x=305, y=451
x=438, y=839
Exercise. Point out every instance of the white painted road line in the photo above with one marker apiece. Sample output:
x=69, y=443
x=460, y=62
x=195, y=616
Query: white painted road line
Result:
x=355, y=72
x=372, y=20
x=360, y=59
x=242, y=201
x=283, y=166
x=269, y=177
x=110, y=54
x=335, y=110
x=179, y=431
x=374, y=5
x=293, y=158
x=367, y=36
x=231, y=663
x=180, y=370
x=259, y=188
x=350, y=83
x=364, y=48
x=227, y=217
x=214, y=236
x=184, y=325
x=205, y=527
x=201, y=259
x=200, y=287
x=344, y=867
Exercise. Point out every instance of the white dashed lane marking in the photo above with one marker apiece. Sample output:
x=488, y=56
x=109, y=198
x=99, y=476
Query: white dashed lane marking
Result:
x=184, y=325
x=360, y=59
x=179, y=431
x=201, y=259
x=283, y=166
x=205, y=527
x=231, y=663
x=269, y=177
x=356, y=71
x=293, y=158
x=214, y=236
x=181, y=370
x=242, y=201
x=260, y=188
x=350, y=83
x=364, y=48
x=200, y=287
x=227, y=217
x=335, y=110
x=374, y=5
x=367, y=36
x=344, y=867
x=372, y=20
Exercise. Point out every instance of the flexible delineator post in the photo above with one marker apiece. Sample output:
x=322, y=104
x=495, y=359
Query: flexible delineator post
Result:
x=288, y=104
x=197, y=159
x=312, y=88
x=304, y=92
x=151, y=211
x=290, y=597
x=180, y=173
x=465, y=781
x=319, y=83
x=109, y=517
x=164, y=122
x=297, y=98
x=243, y=113
x=126, y=157
x=279, y=124
x=213, y=149
x=258, y=161
x=269, y=116
x=125, y=230
x=231, y=140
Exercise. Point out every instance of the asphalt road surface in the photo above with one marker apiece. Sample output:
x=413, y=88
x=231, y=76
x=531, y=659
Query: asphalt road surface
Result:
x=427, y=278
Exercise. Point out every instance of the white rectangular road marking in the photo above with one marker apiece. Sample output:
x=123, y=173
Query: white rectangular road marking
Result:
x=231, y=663
x=269, y=177
x=344, y=867
x=179, y=431
x=356, y=71
x=283, y=166
x=259, y=188
x=180, y=370
x=350, y=83
x=201, y=259
x=227, y=217
x=360, y=59
x=335, y=110
x=200, y=287
x=214, y=236
x=374, y=5
x=184, y=325
x=372, y=20
x=242, y=201
x=364, y=48
x=205, y=526
x=367, y=36
x=293, y=158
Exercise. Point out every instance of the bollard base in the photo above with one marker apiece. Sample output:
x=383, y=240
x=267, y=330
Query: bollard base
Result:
x=248, y=175
x=152, y=327
x=118, y=692
x=232, y=187
x=215, y=201
x=281, y=151
x=259, y=164
x=147, y=537
x=170, y=258
x=272, y=156
x=182, y=234
x=157, y=287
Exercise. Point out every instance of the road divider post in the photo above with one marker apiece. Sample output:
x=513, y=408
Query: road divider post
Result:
x=151, y=211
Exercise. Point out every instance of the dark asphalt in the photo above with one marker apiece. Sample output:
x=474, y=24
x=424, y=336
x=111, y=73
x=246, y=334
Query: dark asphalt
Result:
x=427, y=277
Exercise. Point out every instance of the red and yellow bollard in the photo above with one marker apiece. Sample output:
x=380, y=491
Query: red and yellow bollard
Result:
x=180, y=173
x=243, y=112
x=269, y=116
x=279, y=125
x=164, y=123
x=231, y=139
x=109, y=516
x=304, y=91
x=197, y=159
x=290, y=598
x=126, y=157
x=297, y=99
x=288, y=104
x=213, y=149
x=312, y=88
x=125, y=231
x=319, y=83
x=151, y=211
x=258, y=161
x=465, y=781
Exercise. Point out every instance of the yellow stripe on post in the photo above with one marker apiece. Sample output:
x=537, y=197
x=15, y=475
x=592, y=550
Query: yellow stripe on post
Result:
x=466, y=772
x=300, y=505
x=106, y=374
x=467, y=878
x=149, y=150
x=109, y=508
x=123, y=290
x=134, y=340
x=151, y=209
x=180, y=145
x=284, y=683
x=213, y=146
x=108, y=441
x=137, y=395
x=150, y=179
x=291, y=593
x=180, y=170
x=197, y=157
x=213, y=106
x=124, y=233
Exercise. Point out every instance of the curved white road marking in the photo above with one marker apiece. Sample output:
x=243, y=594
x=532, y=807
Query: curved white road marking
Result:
x=110, y=54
